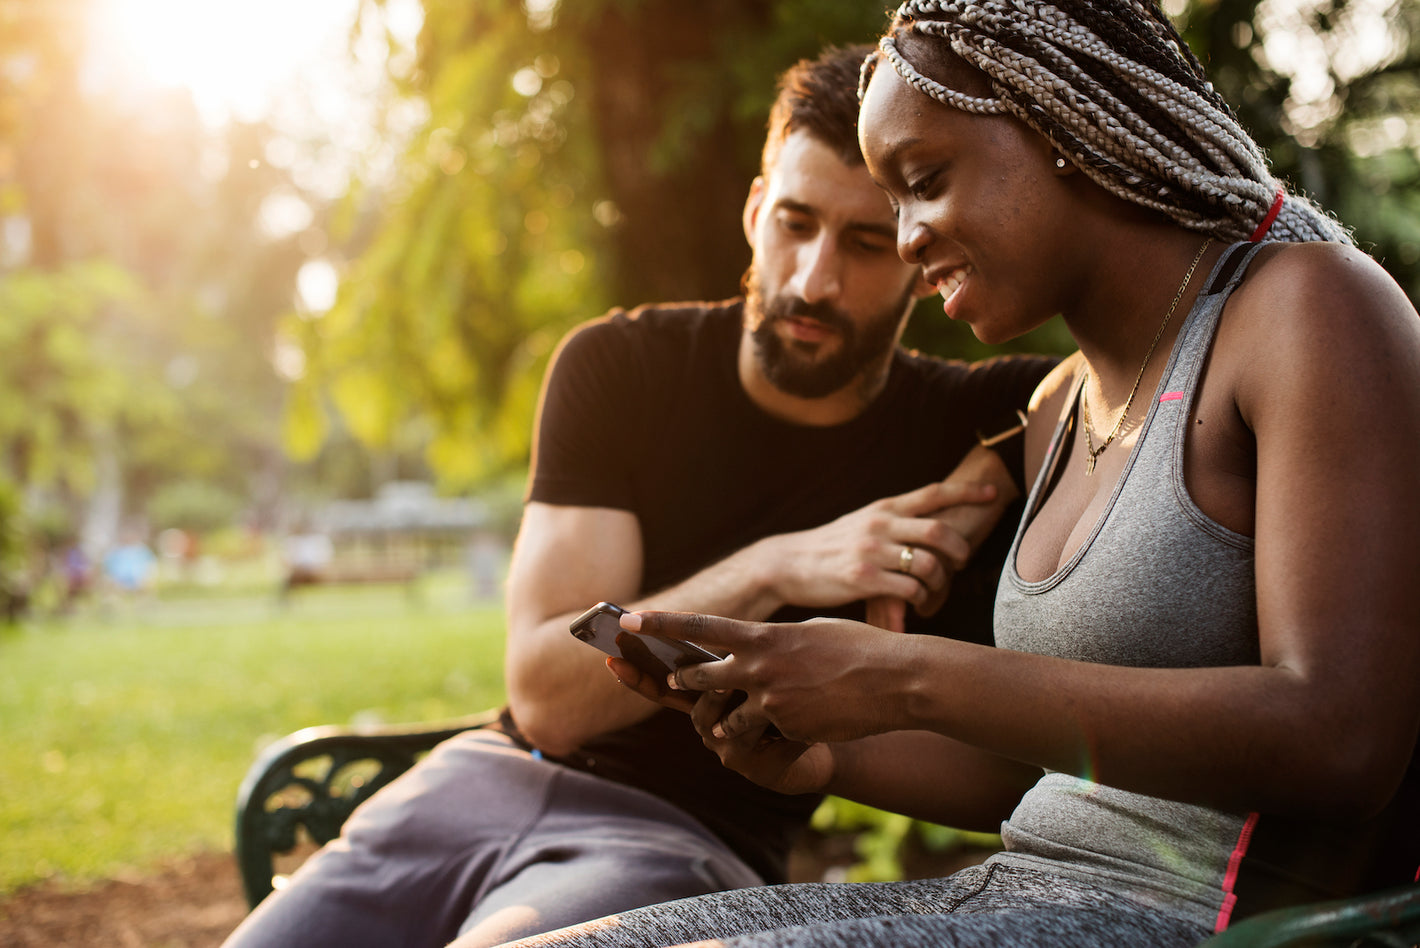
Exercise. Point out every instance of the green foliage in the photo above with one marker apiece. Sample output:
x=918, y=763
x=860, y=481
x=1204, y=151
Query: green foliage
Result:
x=12, y=543
x=882, y=838
x=484, y=255
x=126, y=740
x=196, y=505
x=599, y=154
x=141, y=294
x=68, y=370
x=1352, y=146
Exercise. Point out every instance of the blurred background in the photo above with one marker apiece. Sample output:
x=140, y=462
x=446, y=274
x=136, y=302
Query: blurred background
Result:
x=278, y=283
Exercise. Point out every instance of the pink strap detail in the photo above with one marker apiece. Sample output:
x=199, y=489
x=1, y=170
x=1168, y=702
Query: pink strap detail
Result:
x=1170, y=396
x=1266, y=224
x=1230, y=878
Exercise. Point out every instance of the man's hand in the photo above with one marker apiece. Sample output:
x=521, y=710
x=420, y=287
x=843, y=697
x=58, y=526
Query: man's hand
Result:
x=899, y=548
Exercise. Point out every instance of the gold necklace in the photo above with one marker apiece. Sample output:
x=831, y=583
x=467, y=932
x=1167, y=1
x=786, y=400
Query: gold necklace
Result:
x=1090, y=448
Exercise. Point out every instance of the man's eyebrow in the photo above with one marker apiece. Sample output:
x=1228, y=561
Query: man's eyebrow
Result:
x=798, y=207
x=871, y=227
x=882, y=230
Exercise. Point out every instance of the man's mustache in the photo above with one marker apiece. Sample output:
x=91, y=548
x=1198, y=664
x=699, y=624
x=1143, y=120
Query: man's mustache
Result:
x=795, y=308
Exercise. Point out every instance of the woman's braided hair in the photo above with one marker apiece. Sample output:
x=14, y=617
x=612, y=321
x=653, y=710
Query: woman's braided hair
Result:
x=1112, y=85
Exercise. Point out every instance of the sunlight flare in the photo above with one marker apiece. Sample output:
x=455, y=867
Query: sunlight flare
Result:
x=234, y=57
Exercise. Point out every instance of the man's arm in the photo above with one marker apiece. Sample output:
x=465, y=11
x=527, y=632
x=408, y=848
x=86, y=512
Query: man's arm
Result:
x=568, y=558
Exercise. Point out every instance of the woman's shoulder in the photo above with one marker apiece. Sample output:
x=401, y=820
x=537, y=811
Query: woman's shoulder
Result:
x=1320, y=297
x=1321, y=281
x=1320, y=313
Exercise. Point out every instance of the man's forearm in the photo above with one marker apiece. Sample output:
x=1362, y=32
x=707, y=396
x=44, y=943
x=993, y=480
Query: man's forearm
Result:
x=975, y=522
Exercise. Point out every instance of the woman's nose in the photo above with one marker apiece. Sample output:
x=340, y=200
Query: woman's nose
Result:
x=913, y=236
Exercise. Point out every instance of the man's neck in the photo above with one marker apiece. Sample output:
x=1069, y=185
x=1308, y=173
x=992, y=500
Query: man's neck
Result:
x=836, y=408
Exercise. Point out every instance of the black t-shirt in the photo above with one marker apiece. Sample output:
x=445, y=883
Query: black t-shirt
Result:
x=644, y=412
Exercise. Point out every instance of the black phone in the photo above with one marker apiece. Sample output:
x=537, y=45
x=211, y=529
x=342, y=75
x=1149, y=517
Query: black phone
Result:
x=601, y=626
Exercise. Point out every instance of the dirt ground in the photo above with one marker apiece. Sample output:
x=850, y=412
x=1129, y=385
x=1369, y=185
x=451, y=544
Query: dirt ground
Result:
x=190, y=903
x=195, y=902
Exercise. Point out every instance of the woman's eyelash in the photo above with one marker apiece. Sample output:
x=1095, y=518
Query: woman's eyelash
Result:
x=922, y=186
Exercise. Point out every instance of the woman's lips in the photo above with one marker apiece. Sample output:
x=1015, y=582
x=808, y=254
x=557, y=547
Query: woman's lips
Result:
x=949, y=286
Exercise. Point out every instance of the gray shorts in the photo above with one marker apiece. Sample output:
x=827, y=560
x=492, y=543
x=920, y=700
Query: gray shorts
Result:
x=483, y=840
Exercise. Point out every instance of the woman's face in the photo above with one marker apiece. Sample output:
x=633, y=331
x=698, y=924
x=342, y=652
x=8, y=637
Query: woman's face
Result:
x=980, y=205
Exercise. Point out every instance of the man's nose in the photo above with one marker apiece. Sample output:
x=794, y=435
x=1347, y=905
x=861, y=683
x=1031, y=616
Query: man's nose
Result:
x=819, y=275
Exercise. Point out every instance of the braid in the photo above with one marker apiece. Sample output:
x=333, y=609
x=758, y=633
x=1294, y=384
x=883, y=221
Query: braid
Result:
x=1112, y=85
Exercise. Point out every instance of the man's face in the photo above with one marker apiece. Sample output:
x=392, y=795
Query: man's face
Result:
x=827, y=294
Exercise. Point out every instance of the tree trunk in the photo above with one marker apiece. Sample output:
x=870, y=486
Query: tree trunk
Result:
x=680, y=237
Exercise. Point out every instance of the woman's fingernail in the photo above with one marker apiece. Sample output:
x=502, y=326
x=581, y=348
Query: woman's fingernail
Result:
x=631, y=622
x=672, y=683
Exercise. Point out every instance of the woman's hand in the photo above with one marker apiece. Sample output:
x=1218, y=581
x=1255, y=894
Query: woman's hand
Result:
x=757, y=751
x=821, y=680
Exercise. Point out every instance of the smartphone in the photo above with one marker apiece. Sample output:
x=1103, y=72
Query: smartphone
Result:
x=601, y=625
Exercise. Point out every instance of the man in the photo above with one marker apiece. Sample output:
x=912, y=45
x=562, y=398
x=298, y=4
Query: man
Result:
x=725, y=458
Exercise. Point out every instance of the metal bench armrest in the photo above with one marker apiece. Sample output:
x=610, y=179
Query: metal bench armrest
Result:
x=314, y=778
x=1388, y=918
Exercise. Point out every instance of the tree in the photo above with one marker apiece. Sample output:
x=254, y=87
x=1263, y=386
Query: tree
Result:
x=1331, y=89
x=573, y=156
x=140, y=289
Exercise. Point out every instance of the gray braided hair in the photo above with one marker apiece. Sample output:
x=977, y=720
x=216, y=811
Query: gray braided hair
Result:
x=1112, y=85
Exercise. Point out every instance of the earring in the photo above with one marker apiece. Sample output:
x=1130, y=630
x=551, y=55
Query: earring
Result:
x=1060, y=163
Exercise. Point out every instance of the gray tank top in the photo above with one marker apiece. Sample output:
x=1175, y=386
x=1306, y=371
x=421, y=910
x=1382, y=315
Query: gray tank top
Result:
x=1158, y=584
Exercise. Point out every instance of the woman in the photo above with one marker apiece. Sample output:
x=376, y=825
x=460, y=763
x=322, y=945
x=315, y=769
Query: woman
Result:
x=1203, y=704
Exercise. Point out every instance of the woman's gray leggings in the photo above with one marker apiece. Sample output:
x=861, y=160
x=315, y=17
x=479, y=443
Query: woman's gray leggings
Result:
x=992, y=905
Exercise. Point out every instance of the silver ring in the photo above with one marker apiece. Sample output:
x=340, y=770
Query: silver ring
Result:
x=904, y=560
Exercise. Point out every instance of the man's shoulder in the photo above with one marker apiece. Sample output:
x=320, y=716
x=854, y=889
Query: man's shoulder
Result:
x=663, y=321
x=639, y=345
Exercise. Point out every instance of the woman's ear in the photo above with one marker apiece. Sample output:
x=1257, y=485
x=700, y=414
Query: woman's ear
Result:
x=753, y=203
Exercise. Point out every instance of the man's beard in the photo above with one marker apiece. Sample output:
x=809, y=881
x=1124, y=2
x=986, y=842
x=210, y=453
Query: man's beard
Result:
x=792, y=367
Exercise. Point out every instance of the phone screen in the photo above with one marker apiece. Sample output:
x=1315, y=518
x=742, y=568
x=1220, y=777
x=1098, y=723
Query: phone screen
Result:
x=601, y=626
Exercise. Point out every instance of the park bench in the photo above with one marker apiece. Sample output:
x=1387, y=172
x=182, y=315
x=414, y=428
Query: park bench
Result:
x=307, y=784
x=405, y=574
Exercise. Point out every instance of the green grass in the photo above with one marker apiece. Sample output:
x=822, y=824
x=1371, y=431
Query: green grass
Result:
x=125, y=735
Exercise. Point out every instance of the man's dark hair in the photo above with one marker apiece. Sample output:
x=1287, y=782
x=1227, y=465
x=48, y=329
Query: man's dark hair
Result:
x=819, y=96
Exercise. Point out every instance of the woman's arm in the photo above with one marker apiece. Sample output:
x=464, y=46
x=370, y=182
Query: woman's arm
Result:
x=901, y=771
x=1326, y=353
x=907, y=772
